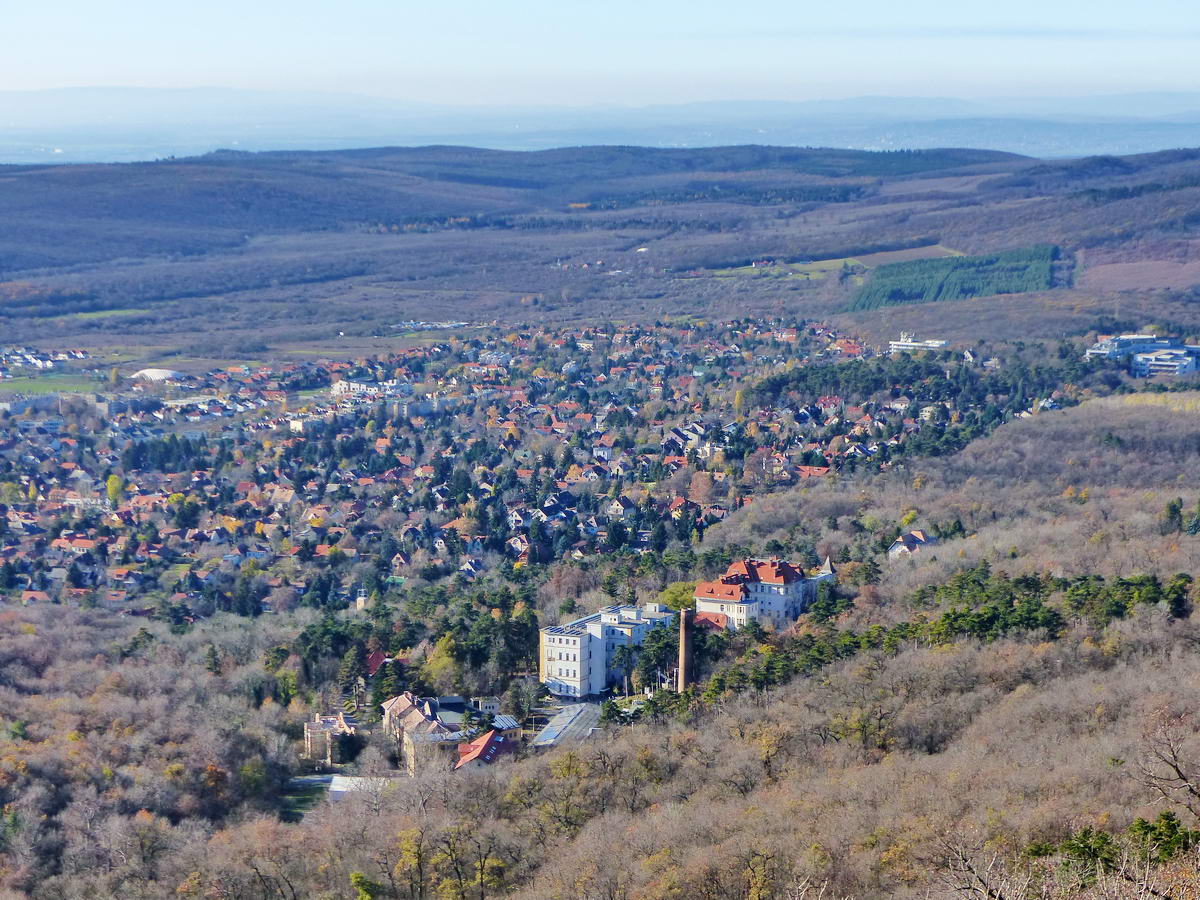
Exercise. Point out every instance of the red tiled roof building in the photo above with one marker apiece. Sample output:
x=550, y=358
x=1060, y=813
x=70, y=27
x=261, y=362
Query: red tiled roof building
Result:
x=772, y=591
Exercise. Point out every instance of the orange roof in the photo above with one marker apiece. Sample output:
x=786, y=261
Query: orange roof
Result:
x=715, y=590
x=484, y=748
x=711, y=620
x=764, y=571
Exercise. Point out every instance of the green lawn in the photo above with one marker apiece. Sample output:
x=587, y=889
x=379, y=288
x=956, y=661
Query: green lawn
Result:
x=49, y=384
x=302, y=794
x=177, y=572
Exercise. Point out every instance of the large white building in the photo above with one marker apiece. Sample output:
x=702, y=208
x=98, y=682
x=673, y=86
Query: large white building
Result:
x=770, y=591
x=1175, y=361
x=908, y=343
x=1119, y=346
x=1148, y=354
x=576, y=659
x=346, y=387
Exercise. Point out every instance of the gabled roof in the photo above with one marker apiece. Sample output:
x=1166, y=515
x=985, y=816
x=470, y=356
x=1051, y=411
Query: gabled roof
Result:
x=374, y=661
x=485, y=748
x=712, y=620
x=716, y=590
x=731, y=587
x=765, y=571
x=913, y=540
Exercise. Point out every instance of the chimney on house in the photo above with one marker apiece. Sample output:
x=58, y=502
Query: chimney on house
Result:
x=685, y=649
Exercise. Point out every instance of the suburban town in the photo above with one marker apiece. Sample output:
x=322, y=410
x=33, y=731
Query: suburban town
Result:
x=445, y=475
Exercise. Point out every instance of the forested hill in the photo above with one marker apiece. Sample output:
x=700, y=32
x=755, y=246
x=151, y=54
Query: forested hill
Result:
x=197, y=204
x=300, y=244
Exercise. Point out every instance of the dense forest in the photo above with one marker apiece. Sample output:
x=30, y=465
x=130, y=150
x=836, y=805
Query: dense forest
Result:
x=958, y=278
x=806, y=764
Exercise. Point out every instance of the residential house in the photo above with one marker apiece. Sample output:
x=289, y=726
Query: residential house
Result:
x=909, y=543
x=483, y=751
x=418, y=730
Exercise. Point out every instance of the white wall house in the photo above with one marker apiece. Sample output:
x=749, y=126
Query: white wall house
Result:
x=910, y=543
x=771, y=591
x=576, y=659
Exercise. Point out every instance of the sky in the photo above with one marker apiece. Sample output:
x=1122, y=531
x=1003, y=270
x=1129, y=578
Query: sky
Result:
x=618, y=52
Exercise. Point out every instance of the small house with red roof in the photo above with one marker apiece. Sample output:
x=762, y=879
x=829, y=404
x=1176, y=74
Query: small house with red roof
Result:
x=483, y=751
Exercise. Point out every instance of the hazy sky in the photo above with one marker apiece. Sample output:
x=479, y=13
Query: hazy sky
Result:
x=615, y=51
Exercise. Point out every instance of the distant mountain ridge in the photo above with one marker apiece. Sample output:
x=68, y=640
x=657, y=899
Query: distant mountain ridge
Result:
x=130, y=124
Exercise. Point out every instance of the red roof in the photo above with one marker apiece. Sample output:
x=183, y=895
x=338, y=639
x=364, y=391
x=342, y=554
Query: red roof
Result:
x=812, y=471
x=765, y=571
x=716, y=590
x=711, y=620
x=731, y=585
x=484, y=748
x=374, y=661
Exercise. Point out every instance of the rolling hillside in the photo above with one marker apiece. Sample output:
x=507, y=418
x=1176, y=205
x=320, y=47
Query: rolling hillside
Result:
x=293, y=244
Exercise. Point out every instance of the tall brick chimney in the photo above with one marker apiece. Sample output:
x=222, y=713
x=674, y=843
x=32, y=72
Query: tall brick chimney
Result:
x=685, y=649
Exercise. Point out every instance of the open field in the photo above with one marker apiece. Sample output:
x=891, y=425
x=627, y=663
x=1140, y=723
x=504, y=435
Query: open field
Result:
x=107, y=313
x=48, y=384
x=808, y=270
x=1140, y=276
x=822, y=268
x=887, y=257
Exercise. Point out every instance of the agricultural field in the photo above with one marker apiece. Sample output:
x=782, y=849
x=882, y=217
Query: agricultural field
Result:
x=852, y=266
x=107, y=313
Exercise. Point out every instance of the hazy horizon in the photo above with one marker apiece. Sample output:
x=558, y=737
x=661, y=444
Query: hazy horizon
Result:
x=85, y=84
x=97, y=124
x=539, y=53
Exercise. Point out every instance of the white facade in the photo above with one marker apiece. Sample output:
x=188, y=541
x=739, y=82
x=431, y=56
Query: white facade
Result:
x=1122, y=345
x=1164, y=362
x=771, y=592
x=908, y=343
x=362, y=388
x=576, y=659
x=777, y=605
